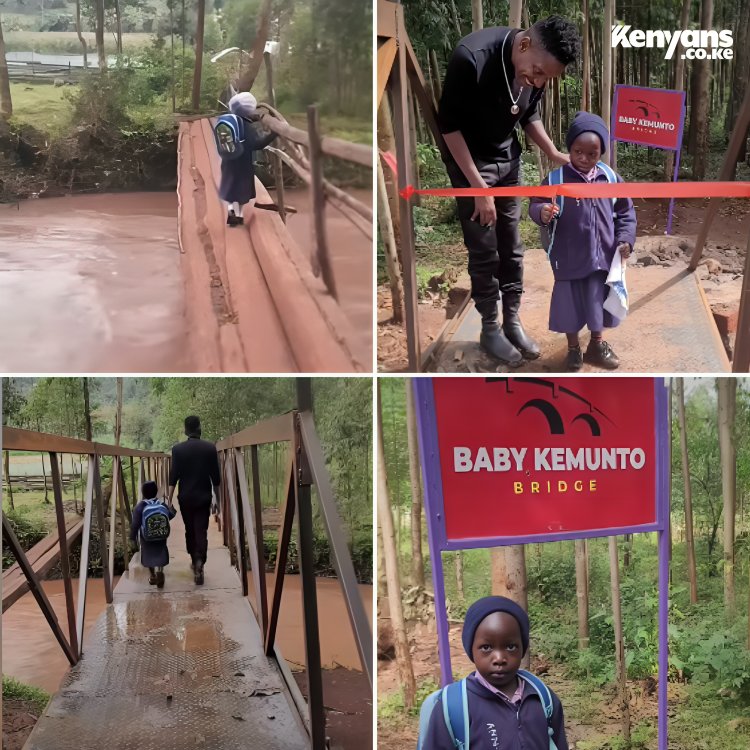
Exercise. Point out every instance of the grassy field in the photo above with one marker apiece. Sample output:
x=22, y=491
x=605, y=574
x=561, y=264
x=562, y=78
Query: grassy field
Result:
x=66, y=42
x=42, y=106
x=337, y=126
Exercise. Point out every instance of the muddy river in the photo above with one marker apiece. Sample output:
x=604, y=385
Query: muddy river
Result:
x=92, y=283
x=31, y=654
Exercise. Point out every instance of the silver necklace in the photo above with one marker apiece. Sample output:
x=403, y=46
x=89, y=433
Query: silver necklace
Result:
x=514, y=110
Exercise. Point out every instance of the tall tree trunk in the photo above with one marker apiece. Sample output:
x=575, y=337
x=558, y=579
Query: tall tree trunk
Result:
x=727, y=390
x=403, y=657
x=740, y=71
x=87, y=409
x=688, y=491
x=586, y=52
x=118, y=414
x=6, y=105
x=44, y=474
x=460, y=575
x=259, y=44
x=477, y=16
x=382, y=582
x=118, y=20
x=388, y=236
x=700, y=160
x=514, y=18
x=417, y=563
x=582, y=594
x=84, y=46
x=100, y=34
x=606, y=103
x=620, y=668
x=509, y=578
x=679, y=82
x=387, y=142
x=6, y=458
x=198, y=72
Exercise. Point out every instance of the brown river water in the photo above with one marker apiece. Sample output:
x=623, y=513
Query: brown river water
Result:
x=31, y=654
x=92, y=283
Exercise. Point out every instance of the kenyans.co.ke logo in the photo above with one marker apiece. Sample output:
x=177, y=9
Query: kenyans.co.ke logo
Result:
x=699, y=44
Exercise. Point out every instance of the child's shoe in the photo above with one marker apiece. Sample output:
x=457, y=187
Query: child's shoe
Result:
x=600, y=354
x=232, y=219
x=160, y=579
x=574, y=360
x=152, y=577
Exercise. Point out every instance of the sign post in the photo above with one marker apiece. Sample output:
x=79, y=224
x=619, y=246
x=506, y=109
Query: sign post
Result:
x=528, y=460
x=650, y=117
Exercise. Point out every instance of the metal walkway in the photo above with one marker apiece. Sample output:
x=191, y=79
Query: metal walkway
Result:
x=670, y=327
x=179, y=668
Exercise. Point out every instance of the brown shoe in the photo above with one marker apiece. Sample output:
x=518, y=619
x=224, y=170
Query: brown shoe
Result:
x=601, y=354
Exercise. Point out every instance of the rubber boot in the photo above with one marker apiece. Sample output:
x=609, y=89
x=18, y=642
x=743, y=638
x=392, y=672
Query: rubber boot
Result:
x=198, y=577
x=160, y=578
x=514, y=330
x=492, y=340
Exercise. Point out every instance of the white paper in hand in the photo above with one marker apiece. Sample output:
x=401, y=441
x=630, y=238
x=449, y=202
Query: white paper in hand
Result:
x=617, y=299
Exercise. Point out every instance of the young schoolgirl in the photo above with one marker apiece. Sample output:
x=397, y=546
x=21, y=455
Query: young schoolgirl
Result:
x=150, y=529
x=586, y=236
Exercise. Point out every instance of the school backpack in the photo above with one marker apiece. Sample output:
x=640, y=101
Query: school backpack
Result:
x=154, y=521
x=229, y=133
x=455, y=703
x=556, y=178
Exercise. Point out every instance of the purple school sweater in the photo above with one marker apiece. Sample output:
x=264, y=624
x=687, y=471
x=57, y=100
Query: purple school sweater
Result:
x=587, y=234
x=495, y=724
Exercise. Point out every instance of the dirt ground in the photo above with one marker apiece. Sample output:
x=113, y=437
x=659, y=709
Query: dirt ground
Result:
x=720, y=271
x=588, y=718
x=19, y=718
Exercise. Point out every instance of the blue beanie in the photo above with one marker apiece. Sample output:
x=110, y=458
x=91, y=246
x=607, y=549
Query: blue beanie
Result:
x=585, y=122
x=486, y=606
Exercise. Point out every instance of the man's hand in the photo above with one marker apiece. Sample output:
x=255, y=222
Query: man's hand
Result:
x=549, y=211
x=133, y=546
x=560, y=158
x=625, y=250
x=484, y=208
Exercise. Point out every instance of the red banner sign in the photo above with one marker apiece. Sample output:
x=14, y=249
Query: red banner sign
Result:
x=651, y=117
x=522, y=457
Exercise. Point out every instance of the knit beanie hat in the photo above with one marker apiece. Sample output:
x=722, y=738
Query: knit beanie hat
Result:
x=486, y=606
x=149, y=489
x=243, y=104
x=587, y=122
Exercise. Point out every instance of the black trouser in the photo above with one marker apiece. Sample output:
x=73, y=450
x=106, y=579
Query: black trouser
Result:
x=495, y=254
x=196, y=529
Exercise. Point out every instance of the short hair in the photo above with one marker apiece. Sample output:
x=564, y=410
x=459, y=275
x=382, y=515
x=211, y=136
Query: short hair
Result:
x=192, y=424
x=560, y=38
x=149, y=489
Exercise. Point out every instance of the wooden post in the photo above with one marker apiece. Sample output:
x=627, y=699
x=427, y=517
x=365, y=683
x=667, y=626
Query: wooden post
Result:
x=321, y=259
x=582, y=594
x=113, y=516
x=64, y=558
x=102, y=533
x=84, y=566
x=620, y=668
x=196, y=99
x=278, y=170
x=389, y=243
x=405, y=160
x=124, y=519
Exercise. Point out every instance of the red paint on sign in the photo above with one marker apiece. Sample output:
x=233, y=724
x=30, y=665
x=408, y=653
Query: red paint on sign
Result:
x=526, y=456
x=652, y=117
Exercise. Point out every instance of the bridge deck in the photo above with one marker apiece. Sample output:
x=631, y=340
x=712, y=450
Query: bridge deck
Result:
x=255, y=304
x=173, y=669
x=670, y=327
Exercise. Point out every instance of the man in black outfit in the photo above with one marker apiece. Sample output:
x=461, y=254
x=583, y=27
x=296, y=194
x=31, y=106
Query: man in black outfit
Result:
x=494, y=82
x=195, y=465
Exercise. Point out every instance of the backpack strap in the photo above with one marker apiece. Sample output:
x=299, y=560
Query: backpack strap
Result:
x=456, y=713
x=611, y=178
x=545, y=696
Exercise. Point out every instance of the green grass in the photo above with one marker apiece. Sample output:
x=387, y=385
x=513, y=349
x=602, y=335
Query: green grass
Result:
x=42, y=106
x=354, y=129
x=66, y=42
x=15, y=690
x=31, y=506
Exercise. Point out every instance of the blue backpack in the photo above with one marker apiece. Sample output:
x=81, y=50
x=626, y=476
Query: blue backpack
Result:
x=556, y=178
x=455, y=703
x=154, y=521
x=229, y=133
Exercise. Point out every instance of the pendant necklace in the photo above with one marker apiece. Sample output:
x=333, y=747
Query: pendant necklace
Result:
x=514, y=110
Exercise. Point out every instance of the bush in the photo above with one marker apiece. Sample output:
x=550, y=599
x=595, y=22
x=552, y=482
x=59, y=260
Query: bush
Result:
x=28, y=532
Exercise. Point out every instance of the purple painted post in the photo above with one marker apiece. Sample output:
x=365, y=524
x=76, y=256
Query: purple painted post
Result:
x=428, y=453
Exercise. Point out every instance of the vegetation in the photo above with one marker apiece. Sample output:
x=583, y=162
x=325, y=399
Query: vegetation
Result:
x=709, y=656
x=13, y=690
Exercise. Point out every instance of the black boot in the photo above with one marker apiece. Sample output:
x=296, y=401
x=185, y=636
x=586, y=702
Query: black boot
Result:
x=514, y=330
x=492, y=340
x=198, y=577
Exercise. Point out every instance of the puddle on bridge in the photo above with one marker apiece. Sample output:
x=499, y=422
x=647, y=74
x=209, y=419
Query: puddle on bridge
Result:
x=91, y=283
x=31, y=653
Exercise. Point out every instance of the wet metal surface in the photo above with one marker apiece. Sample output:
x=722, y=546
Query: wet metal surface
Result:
x=173, y=669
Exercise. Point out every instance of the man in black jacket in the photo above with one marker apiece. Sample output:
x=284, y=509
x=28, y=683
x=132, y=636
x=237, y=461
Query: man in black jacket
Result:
x=195, y=465
x=493, y=85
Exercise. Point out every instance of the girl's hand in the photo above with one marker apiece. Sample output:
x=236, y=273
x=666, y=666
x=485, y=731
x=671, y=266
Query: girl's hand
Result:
x=549, y=210
x=624, y=249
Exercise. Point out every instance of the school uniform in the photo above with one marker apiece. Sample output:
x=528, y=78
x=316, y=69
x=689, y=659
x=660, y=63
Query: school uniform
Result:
x=238, y=175
x=154, y=554
x=586, y=238
x=497, y=722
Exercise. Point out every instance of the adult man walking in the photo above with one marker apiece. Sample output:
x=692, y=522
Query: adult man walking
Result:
x=195, y=465
x=494, y=82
